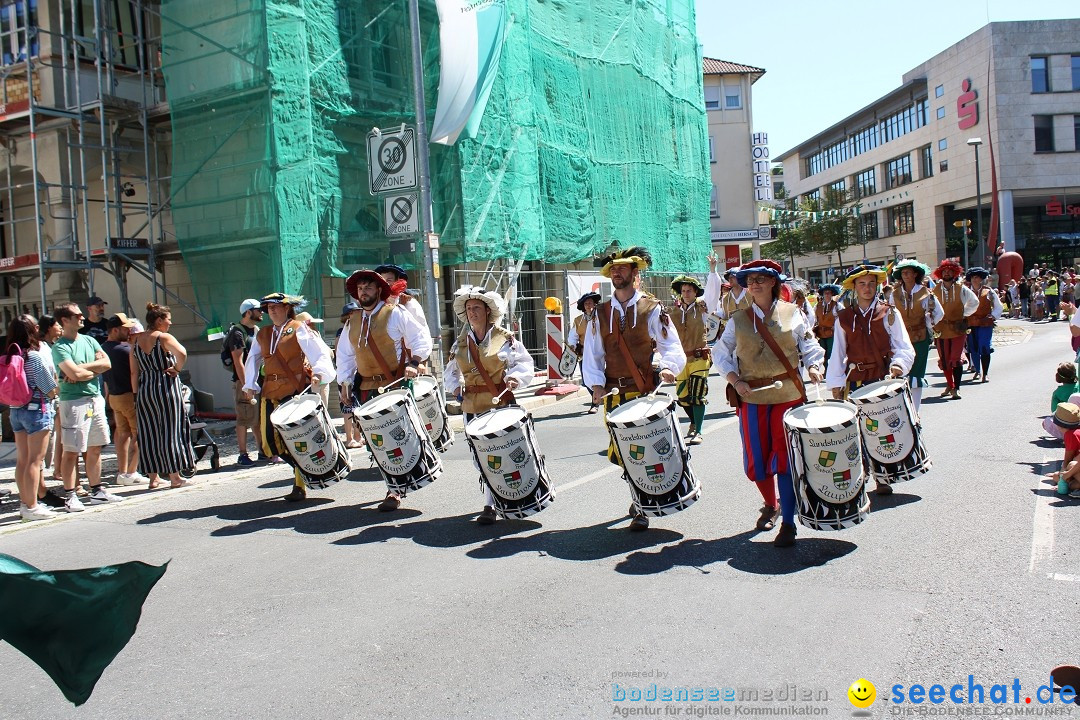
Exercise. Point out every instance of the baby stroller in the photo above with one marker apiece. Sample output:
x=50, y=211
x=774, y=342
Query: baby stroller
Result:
x=201, y=440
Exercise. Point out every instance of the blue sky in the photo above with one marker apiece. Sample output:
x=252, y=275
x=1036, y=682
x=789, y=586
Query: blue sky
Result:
x=826, y=59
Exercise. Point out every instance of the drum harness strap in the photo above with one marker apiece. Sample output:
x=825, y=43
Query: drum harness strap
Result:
x=276, y=353
x=771, y=342
x=634, y=372
x=492, y=388
x=381, y=362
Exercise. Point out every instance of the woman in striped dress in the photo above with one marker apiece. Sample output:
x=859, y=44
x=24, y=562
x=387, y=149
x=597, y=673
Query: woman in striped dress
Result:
x=164, y=427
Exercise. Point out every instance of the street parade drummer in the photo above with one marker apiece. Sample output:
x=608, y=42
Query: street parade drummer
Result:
x=921, y=312
x=575, y=339
x=746, y=356
x=485, y=360
x=292, y=357
x=619, y=345
x=692, y=384
x=384, y=344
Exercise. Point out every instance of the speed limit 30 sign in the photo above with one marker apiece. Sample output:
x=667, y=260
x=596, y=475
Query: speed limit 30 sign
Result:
x=392, y=160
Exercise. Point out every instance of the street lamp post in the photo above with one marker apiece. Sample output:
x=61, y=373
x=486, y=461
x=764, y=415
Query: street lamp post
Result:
x=975, y=143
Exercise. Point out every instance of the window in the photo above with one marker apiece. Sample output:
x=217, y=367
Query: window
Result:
x=869, y=226
x=714, y=203
x=868, y=138
x=1076, y=76
x=1044, y=133
x=865, y=183
x=1076, y=131
x=926, y=162
x=712, y=157
x=732, y=97
x=939, y=91
x=901, y=219
x=712, y=97
x=1040, y=78
x=14, y=23
x=898, y=172
x=839, y=186
x=813, y=198
x=943, y=166
x=940, y=113
x=942, y=144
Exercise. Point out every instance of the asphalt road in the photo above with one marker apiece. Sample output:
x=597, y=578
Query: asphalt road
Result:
x=330, y=609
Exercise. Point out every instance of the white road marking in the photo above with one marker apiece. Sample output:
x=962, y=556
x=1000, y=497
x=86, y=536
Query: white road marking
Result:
x=1042, y=536
x=1063, y=577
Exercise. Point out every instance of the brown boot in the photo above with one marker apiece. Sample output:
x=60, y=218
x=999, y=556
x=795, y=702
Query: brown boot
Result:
x=786, y=536
x=391, y=503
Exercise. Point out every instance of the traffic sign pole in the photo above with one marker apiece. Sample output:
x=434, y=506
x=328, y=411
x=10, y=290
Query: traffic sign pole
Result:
x=432, y=300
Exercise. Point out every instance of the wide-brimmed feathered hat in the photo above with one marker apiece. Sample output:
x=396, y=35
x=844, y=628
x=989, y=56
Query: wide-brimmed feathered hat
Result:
x=637, y=256
x=831, y=287
x=921, y=270
x=490, y=298
x=399, y=272
x=296, y=301
x=760, y=267
x=980, y=271
x=355, y=279
x=677, y=283
x=594, y=296
x=848, y=283
x=948, y=264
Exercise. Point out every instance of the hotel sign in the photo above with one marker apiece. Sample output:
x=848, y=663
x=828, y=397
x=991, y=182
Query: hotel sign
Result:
x=759, y=157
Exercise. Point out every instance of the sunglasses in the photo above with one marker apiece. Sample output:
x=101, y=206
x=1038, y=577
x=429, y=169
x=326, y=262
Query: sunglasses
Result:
x=758, y=279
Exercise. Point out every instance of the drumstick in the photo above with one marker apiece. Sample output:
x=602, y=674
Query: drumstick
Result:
x=772, y=386
x=384, y=388
x=495, y=400
x=614, y=391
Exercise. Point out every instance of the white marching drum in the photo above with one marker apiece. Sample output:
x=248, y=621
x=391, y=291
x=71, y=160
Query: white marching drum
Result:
x=655, y=461
x=825, y=459
x=395, y=436
x=503, y=444
x=429, y=401
x=305, y=427
x=892, y=438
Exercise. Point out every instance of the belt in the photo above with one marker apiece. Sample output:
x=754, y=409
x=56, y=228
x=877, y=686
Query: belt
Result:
x=701, y=352
x=621, y=382
x=866, y=366
x=279, y=376
x=484, y=388
x=762, y=382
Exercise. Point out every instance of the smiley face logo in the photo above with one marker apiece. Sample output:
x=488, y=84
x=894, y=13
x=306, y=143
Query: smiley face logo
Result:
x=862, y=693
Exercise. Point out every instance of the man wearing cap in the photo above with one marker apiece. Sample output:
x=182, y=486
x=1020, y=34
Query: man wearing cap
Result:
x=692, y=384
x=486, y=361
x=870, y=340
x=619, y=345
x=96, y=325
x=400, y=292
x=122, y=400
x=920, y=311
x=384, y=343
x=981, y=323
x=957, y=304
x=293, y=358
x=238, y=343
x=753, y=369
x=575, y=339
x=825, y=317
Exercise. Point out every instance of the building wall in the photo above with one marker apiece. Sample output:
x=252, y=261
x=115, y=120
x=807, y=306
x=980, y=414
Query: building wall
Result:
x=732, y=173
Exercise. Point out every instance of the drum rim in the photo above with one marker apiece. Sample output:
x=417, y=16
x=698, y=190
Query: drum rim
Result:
x=855, y=396
x=831, y=428
x=623, y=424
x=296, y=400
x=404, y=395
x=501, y=431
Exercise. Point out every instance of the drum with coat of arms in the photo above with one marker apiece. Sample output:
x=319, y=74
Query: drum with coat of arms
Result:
x=891, y=432
x=395, y=436
x=503, y=444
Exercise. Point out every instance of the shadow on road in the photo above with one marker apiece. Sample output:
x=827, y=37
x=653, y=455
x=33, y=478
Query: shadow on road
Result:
x=1059, y=500
x=441, y=532
x=888, y=502
x=334, y=519
x=1049, y=443
x=594, y=542
x=760, y=558
x=238, y=511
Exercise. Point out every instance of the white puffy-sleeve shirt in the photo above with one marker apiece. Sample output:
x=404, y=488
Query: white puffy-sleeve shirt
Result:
x=315, y=350
x=902, y=351
x=519, y=363
x=402, y=326
x=594, y=362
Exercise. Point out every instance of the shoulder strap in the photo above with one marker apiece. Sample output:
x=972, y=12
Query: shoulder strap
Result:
x=771, y=342
x=639, y=381
x=474, y=353
x=379, y=359
x=294, y=324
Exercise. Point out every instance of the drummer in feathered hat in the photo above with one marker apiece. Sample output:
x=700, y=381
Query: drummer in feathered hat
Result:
x=982, y=322
x=746, y=357
x=292, y=358
x=400, y=292
x=957, y=304
x=619, y=346
x=870, y=340
x=384, y=344
x=825, y=312
x=692, y=384
x=575, y=339
x=485, y=361
x=920, y=311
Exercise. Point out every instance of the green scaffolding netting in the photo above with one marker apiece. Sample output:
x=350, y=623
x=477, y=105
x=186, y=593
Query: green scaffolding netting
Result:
x=594, y=135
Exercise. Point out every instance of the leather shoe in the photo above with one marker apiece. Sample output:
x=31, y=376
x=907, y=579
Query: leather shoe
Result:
x=767, y=519
x=786, y=536
x=487, y=517
x=391, y=503
x=298, y=493
x=639, y=523
x=883, y=489
x=593, y=409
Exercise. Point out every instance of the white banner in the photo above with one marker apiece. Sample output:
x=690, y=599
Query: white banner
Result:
x=471, y=37
x=579, y=284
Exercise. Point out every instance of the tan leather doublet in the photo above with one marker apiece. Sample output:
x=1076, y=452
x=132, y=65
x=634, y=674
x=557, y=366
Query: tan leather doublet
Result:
x=637, y=339
x=915, y=316
x=825, y=319
x=476, y=396
x=690, y=326
x=286, y=371
x=758, y=364
x=982, y=316
x=868, y=346
x=953, y=309
x=372, y=374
